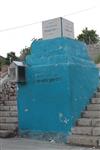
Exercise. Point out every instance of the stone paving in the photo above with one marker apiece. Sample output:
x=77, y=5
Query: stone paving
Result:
x=29, y=144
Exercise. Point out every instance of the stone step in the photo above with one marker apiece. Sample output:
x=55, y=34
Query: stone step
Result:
x=10, y=103
x=8, y=114
x=84, y=140
x=88, y=122
x=87, y=130
x=8, y=108
x=96, y=122
x=97, y=94
x=93, y=131
x=95, y=101
x=84, y=122
x=98, y=89
x=91, y=114
x=10, y=98
x=93, y=107
x=82, y=130
x=5, y=133
x=96, y=131
x=7, y=126
x=8, y=120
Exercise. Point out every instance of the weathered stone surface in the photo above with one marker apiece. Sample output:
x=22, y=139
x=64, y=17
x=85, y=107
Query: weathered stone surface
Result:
x=93, y=107
x=95, y=100
x=96, y=131
x=8, y=126
x=13, y=108
x=5, y=133
x=8, y=114
x=97, y=94
x=83, y=140
x=96, y=122
x=91, y=114
x=4, y=108
x=10, y=103
x=8, y=110
x=87, y=131
x=8, y=120
x=82, y=130
x=84, y=122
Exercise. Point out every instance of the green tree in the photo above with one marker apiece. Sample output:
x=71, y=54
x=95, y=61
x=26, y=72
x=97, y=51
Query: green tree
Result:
x=11, y=57
x=88, y=36
x=24, y=52
x=27, y=50
x=2, y=62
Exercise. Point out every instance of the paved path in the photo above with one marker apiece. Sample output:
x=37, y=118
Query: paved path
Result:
x=29, y=144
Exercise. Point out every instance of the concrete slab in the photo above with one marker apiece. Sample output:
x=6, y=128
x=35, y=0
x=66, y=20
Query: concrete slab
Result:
x=29, y=144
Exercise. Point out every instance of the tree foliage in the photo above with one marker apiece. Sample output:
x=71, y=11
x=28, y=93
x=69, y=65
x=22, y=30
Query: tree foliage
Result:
x=88, y=36
x=24, y=52
x=11, y=57
x=6, y=61
x=2, y=62
x=27, y=50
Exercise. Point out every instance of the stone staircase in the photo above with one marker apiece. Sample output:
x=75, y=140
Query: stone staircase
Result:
x=87, y=129
x=8, y=110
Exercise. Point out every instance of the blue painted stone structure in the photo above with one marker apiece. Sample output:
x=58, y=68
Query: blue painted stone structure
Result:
x=60, y=80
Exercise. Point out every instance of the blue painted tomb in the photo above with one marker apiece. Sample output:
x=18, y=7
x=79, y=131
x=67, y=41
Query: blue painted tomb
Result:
x=60, y=80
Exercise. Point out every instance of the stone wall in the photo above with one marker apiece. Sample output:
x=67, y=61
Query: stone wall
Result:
x=8, y=91
x=8, y=110
x=94, y=50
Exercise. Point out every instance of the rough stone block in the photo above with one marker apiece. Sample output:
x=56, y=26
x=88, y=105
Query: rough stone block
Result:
x=6, y=126
x=96, y=122
x=10, y=103
x=93, y=107
x=8, y=114
x=4, y=108
x=82, y=130
x=95, y=100
x=84, y=122
x=8, y=120
x=5, y=133
x=96, y=131
x=97, y=94
x=13, y=108
x=83, y=140
x=91, y=114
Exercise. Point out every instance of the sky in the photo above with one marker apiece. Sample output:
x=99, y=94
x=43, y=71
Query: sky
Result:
x=20, y=20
